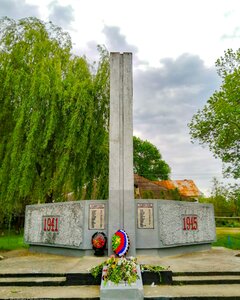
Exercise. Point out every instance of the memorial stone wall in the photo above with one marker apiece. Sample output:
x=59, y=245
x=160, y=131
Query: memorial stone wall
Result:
x=159, y=223
x=168, y=223
x=65, y=224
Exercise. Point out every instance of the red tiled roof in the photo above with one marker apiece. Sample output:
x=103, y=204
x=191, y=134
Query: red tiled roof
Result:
x=186, y=188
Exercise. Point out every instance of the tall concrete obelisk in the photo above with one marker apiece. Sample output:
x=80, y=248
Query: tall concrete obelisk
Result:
x=121, y=184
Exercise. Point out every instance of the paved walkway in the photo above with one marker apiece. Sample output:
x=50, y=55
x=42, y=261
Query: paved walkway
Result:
x=217, y=259
x=23, y=261
x=89, y=292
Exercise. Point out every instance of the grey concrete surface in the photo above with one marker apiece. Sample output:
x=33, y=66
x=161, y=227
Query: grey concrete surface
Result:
x=169, y=230
x=94, y=291
x=26, y=262
x=71, y=227
x=217, y=259
x=22, y=261
x=111, y=291
x=193, y=291
x=121, y=185
x=49, y=292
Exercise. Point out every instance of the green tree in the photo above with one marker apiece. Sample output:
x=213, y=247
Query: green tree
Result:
x=234, y=198
x=53, y=117
x=148, y=161
x=225, y=198
x=218, y=123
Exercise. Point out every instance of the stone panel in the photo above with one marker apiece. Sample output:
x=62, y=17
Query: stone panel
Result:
x=147, y=236
x=59, y=224
x=65, y=224
x=182, y=223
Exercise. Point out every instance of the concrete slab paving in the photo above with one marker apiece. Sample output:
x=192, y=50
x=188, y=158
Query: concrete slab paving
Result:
x=215, y=260
x=94, y=292
x=26, y=262
x=202, y=278
x=78, y=292
x=193, y=291
x=32, y=279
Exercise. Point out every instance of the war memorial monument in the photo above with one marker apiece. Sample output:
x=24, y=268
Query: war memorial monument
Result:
x=154, y=227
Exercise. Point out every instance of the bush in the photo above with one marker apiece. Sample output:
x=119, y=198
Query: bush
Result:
x=227, y=223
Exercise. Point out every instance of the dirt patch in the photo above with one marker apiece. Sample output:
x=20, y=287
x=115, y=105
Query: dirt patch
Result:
x=15, y=253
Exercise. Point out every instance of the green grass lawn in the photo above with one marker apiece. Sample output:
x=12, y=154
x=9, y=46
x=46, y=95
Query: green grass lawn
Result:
x=12, y=242
x=228, y=237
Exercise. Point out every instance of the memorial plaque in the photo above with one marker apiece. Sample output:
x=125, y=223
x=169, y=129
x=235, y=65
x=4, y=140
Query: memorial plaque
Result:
x=145, y=215
x=96, y=216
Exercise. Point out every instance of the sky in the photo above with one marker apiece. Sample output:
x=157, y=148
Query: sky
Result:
x=175, y=44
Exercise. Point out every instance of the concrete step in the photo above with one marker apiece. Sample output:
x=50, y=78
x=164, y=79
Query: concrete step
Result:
x=206, y=280
x=53, y=292
x=200, y=278
x=207, y=273
x=155, y=292
x=48, y=279
x=193, y=292
x=36, y=279
x=32, y=281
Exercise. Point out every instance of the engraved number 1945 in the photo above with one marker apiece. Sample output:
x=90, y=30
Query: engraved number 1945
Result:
x=190, y=223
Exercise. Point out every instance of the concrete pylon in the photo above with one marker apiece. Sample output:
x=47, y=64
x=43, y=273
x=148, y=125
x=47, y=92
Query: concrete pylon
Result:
x=121, y=213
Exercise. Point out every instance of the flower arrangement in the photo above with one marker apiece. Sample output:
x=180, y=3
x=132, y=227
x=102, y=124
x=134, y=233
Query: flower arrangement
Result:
x=118, y=270
x=99, y=241
x=120, y=243
x=152, y=268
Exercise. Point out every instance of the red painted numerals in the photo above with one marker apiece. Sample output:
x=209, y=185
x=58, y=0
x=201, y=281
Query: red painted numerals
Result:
x=190, y=223
x=50, y=224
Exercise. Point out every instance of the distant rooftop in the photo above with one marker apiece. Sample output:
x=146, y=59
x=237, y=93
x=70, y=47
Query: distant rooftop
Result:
x=186, y=187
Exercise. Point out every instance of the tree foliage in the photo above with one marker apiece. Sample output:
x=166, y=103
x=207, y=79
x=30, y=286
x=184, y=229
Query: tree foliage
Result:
x=225, y=198
x=148, y=161
x=53, y=117
x=218, y=123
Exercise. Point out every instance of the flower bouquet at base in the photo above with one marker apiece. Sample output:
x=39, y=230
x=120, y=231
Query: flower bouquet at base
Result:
x=119, y=270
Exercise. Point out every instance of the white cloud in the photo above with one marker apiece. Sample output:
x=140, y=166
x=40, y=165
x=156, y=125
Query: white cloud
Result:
x=17, y=9
x=62, y=15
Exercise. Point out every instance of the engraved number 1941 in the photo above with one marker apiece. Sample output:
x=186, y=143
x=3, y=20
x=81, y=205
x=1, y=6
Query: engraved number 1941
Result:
x=50, y=224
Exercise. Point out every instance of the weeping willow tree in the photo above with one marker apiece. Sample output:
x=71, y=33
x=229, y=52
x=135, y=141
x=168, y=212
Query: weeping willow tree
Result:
x=53, y=117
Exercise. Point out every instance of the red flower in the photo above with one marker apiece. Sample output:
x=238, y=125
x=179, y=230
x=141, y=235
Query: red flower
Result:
x=98, y=242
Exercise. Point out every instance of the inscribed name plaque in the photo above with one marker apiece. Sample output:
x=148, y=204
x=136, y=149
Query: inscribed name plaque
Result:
x=96, y=216
x=145, y=215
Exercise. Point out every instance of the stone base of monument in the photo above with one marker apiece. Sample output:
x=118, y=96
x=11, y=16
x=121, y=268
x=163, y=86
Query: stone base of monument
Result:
x=61, y=251
x=163, y=227
x=172, y=251
x=112, y=291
